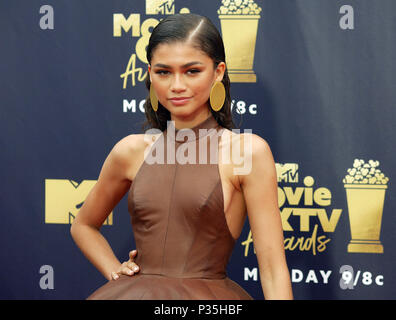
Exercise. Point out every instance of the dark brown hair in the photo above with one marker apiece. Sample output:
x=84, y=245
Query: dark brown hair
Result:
x=207, y=38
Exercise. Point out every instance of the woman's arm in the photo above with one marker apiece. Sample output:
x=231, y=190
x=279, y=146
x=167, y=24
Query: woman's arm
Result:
x=111, y=186
x=260, y=191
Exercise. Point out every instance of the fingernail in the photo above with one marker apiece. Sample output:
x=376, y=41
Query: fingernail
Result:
x=136, y=269
x=129, y=271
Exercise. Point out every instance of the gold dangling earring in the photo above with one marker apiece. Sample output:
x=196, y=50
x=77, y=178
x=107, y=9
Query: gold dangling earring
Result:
x=153, y=99
x=217, y=96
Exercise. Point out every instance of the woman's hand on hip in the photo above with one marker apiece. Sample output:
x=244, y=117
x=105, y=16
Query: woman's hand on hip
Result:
x=128, y=268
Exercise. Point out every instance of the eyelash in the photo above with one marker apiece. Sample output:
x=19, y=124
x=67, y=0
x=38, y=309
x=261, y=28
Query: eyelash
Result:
x=162, y=72
x=193, y=71
x=165, y=72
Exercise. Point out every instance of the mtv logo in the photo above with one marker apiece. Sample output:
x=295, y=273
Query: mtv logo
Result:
x=64, y=198
x=287, y=172
x=160, y=6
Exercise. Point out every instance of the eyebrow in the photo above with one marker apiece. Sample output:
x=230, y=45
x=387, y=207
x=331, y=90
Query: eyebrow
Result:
x=161, y=65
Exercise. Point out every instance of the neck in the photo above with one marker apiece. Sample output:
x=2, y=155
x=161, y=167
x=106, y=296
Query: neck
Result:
x=181, y=135
x=191, y=120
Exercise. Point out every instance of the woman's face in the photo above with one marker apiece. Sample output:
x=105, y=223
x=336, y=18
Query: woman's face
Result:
x=182, y=77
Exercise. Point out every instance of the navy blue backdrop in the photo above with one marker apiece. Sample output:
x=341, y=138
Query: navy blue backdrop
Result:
x=317, y=80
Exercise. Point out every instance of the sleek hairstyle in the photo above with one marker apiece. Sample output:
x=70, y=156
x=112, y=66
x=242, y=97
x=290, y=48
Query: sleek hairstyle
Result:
x=205, y=37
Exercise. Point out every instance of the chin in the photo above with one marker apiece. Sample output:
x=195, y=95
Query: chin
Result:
x=182, y=111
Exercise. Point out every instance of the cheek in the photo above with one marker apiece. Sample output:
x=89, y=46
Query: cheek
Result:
x=207, y=86
x=160, y=89
x=204, y=93
x=202, y=88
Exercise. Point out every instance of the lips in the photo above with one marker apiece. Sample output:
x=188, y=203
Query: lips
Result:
x=179, y=101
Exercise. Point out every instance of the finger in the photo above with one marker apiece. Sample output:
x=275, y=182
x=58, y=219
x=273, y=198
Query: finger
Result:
x=133, y=266
x=114, y=275
x=127, y=271
x=132, y=254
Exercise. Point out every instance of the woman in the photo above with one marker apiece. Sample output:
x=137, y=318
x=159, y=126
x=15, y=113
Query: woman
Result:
x=186, y=217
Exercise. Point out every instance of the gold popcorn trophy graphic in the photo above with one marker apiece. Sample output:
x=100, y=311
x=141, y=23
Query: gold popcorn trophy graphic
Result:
x=365, y=187
x=239, y=24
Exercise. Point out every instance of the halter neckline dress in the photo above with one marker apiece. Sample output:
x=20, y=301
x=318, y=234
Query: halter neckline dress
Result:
x=178, y=221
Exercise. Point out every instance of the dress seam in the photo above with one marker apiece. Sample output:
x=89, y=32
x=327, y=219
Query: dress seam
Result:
x=167, y=224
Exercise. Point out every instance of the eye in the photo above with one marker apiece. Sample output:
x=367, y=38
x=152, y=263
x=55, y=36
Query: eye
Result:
x=193, y=71
x=162, y=72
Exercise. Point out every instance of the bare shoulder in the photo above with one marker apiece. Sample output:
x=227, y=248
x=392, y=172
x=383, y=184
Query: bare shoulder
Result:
x=250, y=144
x=129, y=151
x=257, y=159
x=248, y=154
x=129, y=146
x=260, y=147
x=134, y=145
x=126, y=152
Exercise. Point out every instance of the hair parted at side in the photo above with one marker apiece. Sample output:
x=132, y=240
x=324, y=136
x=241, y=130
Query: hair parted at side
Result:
x=204, y=36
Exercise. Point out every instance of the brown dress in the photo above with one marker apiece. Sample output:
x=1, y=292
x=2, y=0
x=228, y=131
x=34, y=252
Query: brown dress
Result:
x=178, y=221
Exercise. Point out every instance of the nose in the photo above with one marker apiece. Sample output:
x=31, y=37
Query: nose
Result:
x=178, y=84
